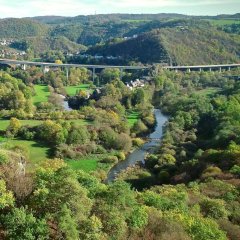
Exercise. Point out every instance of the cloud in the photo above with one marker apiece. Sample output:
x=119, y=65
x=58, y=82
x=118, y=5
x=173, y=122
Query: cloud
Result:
x=23, y=8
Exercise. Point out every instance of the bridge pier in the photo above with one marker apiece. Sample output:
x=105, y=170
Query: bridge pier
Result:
x=188, y=70
x=121, y=73
x=24, y=67
x=200, y=69
x=45, y=69
x=220, y=69
x=93, y=74
x=67, y=72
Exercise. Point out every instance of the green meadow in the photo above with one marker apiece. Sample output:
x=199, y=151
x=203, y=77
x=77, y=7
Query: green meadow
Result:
x=87, y=165
x=4, y=123
x=42, y=94
x=222, y=22
x=133, y=117
x=37, y=151
x=71, y=90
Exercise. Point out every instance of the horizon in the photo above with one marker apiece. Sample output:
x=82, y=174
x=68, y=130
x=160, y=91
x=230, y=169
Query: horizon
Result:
x=72, y=8
x=123, y=13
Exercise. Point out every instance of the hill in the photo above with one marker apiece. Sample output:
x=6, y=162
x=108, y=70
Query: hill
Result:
x=42, y=44
x=179, y=45
x=21, y=28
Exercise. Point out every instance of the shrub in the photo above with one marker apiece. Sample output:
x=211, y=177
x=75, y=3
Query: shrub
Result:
x=110, y=159
x=138, y=142
x=233, y=231
x=164, y=176
x=211, y=172
x=121, y=156
x=235, y=170
x=3, y=156
x=214, y=208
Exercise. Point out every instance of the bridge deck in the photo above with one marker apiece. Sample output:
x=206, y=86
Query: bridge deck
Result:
x=9, y=61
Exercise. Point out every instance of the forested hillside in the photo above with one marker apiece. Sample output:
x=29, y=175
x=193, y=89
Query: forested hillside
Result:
x=181, y=45
x=161, y=38
x=21, y=28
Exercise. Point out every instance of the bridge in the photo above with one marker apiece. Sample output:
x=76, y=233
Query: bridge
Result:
x=200, y=68
x=46, y=65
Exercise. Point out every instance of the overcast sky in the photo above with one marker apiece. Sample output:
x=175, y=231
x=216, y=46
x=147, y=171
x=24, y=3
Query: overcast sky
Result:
x=27, y=8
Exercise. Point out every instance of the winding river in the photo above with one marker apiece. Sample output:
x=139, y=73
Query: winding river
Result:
x=139, y=154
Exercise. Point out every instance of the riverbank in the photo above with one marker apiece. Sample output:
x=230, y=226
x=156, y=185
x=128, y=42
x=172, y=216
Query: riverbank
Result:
x=139, y=154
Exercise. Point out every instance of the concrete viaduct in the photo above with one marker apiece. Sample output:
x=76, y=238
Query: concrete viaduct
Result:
x=200, y=68
x=46, y=66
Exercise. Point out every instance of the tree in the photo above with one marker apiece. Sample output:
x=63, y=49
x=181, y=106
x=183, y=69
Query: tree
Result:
x=19, y=224
x=6, y=197
x=68, y=225
x=14, y=126
x=138, y=218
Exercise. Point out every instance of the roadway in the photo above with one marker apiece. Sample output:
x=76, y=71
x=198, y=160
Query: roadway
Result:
x=46, y=64
x=181, y=68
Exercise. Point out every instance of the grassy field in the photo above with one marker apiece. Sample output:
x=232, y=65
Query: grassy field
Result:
x=132, y=118
x=90, y=162
x=207, y=91
x=71, y=90
x=42, y=94
x=2, y=138
x=4, y=123
x=37, y=151
x=222, y=22
x=86, y=165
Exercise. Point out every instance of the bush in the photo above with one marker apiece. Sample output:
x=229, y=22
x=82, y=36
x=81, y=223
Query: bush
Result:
x=138, y=142
x=233, y=231
x=121, y=156
x=235, y=170
x=164, y=176
x=214, y=208
x=3, y=157
x=110, y=159
x=211, y=172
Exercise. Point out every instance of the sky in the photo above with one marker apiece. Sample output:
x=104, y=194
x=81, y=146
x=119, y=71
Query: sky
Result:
x=29, y=8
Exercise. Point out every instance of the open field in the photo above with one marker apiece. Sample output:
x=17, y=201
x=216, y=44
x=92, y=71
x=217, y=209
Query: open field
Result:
x=132, y=118
x=37, y=151
x=87, y=165
x=4, y=123
x=90, y=162
x=222, y=22
x=71, y=90
x=42, y=94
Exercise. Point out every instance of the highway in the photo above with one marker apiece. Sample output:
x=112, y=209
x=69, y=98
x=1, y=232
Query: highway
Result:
x=181, y=68
x=46, y=64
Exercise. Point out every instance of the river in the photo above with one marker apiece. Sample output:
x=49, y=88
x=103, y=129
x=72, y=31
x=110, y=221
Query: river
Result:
x=139, y=154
